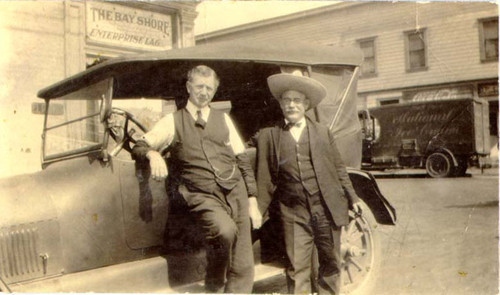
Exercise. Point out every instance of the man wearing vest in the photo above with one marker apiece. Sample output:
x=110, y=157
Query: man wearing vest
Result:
x=214, y=179
x=298, y=163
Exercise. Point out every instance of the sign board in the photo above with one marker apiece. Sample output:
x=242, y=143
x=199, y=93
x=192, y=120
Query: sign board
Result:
x=114, y=24
x=490, y=89
x=439, y=94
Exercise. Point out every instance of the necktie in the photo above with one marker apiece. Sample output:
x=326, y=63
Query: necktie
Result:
x=290, y=125
x=199, y=120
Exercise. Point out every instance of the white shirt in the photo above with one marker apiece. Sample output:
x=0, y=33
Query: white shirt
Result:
x=295, y=130
x=162, y=134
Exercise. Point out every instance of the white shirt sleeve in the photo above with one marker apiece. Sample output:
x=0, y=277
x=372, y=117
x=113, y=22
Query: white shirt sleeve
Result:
x=234, y=137
x=162, y=134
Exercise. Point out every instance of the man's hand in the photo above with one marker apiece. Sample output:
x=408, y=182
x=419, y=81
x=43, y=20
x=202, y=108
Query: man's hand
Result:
x=255, y=215
x=158, y=166
x=356, y=207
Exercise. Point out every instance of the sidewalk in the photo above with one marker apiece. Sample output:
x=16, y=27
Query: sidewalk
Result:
x=486, y=172
x=471, y=172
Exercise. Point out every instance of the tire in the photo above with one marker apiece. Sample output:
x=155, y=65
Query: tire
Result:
x=360, y=253
x=439, y=165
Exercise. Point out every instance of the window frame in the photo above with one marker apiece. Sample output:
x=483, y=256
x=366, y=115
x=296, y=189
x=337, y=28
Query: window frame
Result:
x=375, y=72
x=407, y=34
x=482, y=49
x=99, y=146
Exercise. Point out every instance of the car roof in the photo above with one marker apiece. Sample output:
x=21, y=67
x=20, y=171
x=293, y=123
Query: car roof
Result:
x=293, y=53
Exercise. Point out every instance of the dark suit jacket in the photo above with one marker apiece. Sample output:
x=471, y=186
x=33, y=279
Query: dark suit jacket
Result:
x=333, y=180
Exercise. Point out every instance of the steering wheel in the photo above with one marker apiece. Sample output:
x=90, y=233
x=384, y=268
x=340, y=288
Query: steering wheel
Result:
x=120, y=132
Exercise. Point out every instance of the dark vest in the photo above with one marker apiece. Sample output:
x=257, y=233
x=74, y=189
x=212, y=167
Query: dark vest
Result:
x=295, y=165
x=202, y=158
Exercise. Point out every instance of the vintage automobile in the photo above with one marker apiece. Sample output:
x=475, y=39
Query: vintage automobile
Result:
x=92, y=221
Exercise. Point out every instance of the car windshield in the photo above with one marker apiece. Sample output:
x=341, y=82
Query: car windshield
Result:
x=73, y=122
x=74, y=128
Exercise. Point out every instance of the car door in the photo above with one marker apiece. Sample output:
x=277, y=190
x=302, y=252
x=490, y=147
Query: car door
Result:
x=144, y=201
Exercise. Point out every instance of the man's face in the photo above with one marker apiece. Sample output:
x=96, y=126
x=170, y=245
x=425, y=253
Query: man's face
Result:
x=294, y=105
x=201, y=90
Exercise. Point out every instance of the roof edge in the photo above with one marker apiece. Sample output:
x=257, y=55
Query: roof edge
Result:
x=274, y=20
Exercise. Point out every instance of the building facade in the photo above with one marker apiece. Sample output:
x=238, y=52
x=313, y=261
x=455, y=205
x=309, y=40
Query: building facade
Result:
x=412, y=51
x=44, y=42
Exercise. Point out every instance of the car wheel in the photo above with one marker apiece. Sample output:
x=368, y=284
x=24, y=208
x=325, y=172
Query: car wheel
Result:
x=439, y=165
x=360, y=253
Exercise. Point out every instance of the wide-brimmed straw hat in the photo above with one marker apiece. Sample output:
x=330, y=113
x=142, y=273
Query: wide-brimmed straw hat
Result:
x=312, y=89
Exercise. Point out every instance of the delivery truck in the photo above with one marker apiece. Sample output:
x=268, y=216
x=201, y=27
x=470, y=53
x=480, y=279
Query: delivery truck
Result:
x=445, y=137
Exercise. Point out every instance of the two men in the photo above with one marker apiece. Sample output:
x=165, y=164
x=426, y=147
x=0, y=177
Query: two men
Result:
x=299, y=164
x=213, y=178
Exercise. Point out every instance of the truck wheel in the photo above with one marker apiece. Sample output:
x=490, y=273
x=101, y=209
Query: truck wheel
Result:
x=360, y=253
x=439, y=165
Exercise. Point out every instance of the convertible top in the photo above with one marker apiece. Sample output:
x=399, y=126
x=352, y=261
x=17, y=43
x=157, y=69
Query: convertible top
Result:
x=277, y=53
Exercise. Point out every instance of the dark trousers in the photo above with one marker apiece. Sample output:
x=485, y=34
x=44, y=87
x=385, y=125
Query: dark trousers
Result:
x=307, y=224
x=224, y=219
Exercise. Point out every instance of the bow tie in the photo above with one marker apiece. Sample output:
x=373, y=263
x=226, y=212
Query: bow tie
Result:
x=290, y=125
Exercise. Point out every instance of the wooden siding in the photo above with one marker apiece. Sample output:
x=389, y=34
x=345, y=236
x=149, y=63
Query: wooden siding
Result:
x=452, y=38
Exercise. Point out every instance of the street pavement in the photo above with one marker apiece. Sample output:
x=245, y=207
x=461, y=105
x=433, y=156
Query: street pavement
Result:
x=446, y=237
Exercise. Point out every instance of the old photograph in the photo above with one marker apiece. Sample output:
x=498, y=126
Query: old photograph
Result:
x=267, y=147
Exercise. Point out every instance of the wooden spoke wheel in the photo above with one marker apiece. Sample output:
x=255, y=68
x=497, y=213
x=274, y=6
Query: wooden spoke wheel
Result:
x=360, y=253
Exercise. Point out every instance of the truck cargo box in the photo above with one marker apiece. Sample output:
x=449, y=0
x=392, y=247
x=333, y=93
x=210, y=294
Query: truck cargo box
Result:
x=407, y=135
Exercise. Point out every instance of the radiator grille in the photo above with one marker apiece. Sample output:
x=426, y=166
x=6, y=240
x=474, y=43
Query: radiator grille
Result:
x=18, y=253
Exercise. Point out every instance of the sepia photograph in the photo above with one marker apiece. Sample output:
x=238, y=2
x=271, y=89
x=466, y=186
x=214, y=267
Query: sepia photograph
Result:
x=249, y=147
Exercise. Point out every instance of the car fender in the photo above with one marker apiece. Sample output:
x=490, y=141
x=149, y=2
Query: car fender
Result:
x=367, y=189
x=445, y=151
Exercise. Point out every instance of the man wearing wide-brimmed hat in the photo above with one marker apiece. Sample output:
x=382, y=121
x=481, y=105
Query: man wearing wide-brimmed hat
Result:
x=300, y=166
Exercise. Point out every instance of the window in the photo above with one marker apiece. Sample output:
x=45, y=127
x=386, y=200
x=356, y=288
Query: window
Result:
x=488, y=36
x=416, y=56
x=384, y=102
x=493, y=106
x=369, y=66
